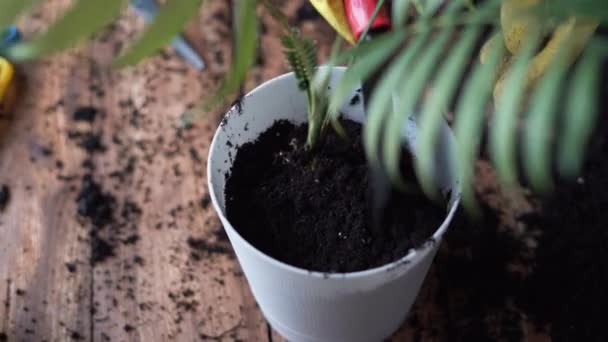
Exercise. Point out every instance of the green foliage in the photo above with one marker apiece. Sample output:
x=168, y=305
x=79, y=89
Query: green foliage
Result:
x=302, y=58
x=430, y=52
x=11, y=9
x=168, y=23
x=80, y=22
x=438, y=65
x=301, y=55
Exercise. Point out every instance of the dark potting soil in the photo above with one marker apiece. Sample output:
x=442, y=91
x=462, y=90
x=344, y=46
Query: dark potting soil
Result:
x=568, y=288
x=562, y=290
x=313, y=210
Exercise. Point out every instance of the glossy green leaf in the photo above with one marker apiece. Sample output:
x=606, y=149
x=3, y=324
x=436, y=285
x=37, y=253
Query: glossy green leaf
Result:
x=381, y=100
x=400, y=11
x=581, y=113
x=11, y=9
x=540, y=124
x=80, y=22
x=502, y=134
x=372, y=55
x=407, y=96
x=469, y=121
x=246, y=36
x=442, y=93
x=170, y=20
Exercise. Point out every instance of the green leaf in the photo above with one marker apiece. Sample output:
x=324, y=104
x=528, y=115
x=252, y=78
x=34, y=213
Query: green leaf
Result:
x=80, y=22
x=381, y=100
x=373, y=54
x=11, y=9
x=469, y=120
x=562, y=9
x=169, y=21
x=408, y=95
x=245, y=44
x=502, y=134
x=581, y=113
x=400, y=10
x=540, y=124
x=442, y=93
x=363, y=36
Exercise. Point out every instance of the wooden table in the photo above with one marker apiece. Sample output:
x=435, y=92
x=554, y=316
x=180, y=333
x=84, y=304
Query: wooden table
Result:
x=154, y=288
x=173, y=275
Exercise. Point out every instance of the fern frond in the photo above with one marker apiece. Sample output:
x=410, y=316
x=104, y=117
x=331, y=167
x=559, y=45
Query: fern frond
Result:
x=407, y=97
x=431, y=118
x=541, y=123
x=381, y=101
x=581, y=111
x=370, y=56
x=511, y=97
x=302, y=57
x=470, y=116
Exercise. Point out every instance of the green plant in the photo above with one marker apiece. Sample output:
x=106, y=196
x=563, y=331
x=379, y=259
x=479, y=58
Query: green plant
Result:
x=411, y=61
x=433, y=52
x=301, y=55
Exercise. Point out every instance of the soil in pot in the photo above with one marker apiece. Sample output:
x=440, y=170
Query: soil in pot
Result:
x=313, y=210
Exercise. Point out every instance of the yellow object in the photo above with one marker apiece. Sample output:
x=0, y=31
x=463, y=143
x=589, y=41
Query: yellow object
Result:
x=515, y=25
x=333, y=12
x=573, y=34
x=7, y=86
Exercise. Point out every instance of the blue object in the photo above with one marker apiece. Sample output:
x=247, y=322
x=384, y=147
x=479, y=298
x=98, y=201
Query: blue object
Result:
x=10, y=36
x=148, y=10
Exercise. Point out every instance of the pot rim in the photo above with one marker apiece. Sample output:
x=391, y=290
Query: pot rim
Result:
x=409, y=258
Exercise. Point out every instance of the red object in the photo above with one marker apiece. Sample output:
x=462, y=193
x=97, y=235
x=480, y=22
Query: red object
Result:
x=359, y=13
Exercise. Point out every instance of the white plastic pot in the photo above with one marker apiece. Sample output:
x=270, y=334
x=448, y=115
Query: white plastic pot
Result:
x=312, y=306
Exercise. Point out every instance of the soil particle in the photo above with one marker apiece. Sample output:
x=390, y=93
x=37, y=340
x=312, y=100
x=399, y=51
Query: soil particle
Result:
x=205, y=201
x=85, y=114
x=202, y=246
x=101, y=249
x=71, y=267
x=5, y=196
x=91, y=142
x=314, y=210
x=95, y=204
x=76, y=336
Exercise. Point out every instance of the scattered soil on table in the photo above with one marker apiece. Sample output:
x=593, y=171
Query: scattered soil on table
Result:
x=85, y=113
x=313, y=210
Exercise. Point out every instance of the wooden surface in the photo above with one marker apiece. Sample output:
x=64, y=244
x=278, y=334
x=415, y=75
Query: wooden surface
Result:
x=153, y=289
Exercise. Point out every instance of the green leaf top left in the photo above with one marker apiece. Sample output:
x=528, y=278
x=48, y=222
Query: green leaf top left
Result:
x=81, y=21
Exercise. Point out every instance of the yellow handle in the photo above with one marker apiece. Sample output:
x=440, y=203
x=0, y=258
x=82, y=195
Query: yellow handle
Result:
x=7, y=74
x=7, y=86
x=333, y=12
